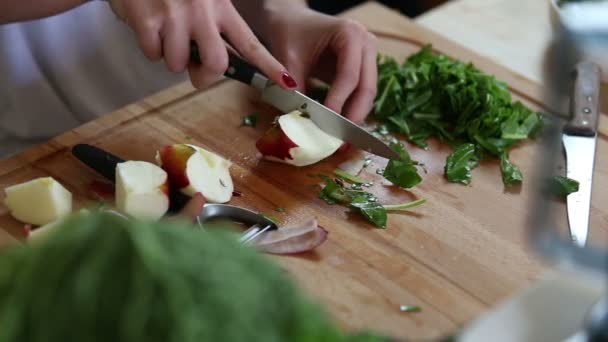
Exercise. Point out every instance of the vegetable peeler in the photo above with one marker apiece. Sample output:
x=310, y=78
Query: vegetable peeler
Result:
x=105, y=163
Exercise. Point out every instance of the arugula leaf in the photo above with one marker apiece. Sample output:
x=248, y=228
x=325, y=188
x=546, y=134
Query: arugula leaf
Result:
x=511, y=174
x=432, y=95
x=250, y=120
x=460, y=163
x=402, y=172
x=563, y=186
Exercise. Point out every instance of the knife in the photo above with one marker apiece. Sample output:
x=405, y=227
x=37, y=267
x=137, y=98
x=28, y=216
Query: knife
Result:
x=579, y=140
x=329, y=121
x=104, y=163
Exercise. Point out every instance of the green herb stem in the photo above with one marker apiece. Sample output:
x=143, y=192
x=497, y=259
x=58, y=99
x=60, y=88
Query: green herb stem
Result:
x=404, y=206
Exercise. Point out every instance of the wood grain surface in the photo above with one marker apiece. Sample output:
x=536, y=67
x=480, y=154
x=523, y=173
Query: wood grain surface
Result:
x=455, y=257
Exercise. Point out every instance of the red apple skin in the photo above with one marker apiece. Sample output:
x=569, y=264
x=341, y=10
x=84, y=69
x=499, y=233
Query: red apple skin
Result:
x=346, y=146
x=101, y=191
x=174, y=159
x=275, y=143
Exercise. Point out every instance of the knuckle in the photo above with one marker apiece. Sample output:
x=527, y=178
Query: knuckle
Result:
x=368, y=91
x=373, y=40
x=354, y=28
x=252, y=46
x=216, y=63
x=151, y=24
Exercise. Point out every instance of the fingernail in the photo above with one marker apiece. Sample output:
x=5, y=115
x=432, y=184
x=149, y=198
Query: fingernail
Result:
x=288, y=81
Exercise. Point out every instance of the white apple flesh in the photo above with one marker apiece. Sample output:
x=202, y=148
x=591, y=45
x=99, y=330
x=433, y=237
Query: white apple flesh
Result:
x=193, y=169
x=38, y=201
x=298, y=141
x=142, y=190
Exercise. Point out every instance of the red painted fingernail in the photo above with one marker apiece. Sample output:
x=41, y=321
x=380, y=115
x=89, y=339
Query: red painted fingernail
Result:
x=288, y=81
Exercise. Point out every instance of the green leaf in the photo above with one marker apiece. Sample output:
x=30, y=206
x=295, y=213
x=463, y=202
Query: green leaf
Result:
x=402, y=172
x=250, y=120
x=373, y=211
x=510, y=173
x=563, y=186
x=349, y=177
x=431, y=95
x=361, y=201
x=460, y=163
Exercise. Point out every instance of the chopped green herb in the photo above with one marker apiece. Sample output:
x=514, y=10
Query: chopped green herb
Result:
x=460, y=163
x=433, y=95
x=280, y=210
x=394, y=207
x=511, y=174
x=188, y=137
x=563, y=186
x=409, y=308
x=349, y=177
x=402, y=172
x=365, y=203
x=250, y=120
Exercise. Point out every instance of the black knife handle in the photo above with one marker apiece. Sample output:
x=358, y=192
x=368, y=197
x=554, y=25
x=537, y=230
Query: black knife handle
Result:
x=238, y=69
x=101, y=161
x=104, y=163
x=585, y=102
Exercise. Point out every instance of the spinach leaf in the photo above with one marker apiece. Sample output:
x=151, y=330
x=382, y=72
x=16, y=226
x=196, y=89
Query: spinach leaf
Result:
x=402, y=172
x=510, y=172
x=365, y=203
x=431, y=95
x=460, y=163
x=563, y=186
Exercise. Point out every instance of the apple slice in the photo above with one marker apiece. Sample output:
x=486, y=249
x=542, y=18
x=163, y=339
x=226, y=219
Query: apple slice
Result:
x=142, y=190
x=193, y=169
x=297, y=140
x=38, y=201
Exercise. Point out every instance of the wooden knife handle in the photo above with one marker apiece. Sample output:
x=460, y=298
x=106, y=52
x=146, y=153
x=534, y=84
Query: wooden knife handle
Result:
x=585, y=100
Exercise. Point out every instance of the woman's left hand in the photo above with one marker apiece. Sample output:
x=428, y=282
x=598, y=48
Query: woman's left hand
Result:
x=339, y=51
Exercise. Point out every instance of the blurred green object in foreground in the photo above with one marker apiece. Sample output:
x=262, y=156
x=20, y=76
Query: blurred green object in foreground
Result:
x=99, y=277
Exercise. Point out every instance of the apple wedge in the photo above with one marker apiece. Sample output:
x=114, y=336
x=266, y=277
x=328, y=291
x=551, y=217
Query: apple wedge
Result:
x=38, y=201
x=192, y=170
x=297, y=140
x=142, y=190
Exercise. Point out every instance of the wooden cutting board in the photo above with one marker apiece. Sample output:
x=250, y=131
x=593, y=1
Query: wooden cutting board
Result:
x=455, y=257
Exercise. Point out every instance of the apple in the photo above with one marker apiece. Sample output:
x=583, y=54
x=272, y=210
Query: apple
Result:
x=192, y=170
x=38, y=201
x=142, y=190
x=297, y=140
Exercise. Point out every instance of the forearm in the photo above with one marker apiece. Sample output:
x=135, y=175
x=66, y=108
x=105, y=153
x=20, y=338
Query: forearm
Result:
x=258, y=13
x=21, y=10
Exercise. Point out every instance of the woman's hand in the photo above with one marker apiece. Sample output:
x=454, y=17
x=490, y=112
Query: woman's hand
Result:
x=165, y=28
x=339, y=51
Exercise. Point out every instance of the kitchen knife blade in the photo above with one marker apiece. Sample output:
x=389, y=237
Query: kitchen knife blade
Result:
x=579, y=140
x=329, y=121
x=289, y=100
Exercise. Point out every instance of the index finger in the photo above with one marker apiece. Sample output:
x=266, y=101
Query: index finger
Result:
x=250, y=47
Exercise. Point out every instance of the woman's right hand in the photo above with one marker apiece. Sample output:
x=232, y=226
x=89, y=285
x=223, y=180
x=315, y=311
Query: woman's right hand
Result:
x=165, y=28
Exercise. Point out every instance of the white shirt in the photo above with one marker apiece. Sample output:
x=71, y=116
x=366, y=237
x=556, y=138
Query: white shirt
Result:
x=59, y=72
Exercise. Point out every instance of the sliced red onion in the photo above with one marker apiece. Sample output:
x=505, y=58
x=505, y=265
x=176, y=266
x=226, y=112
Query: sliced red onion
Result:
x=292, y=240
